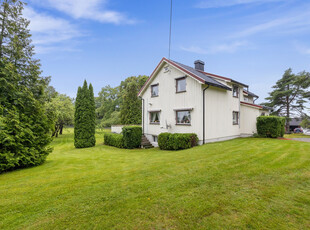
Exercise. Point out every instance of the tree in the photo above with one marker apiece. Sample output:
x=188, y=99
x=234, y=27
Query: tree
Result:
x=131, y=105
x=84, y=117
x=305, y=123
x=110, y=101
x=290, y=95
x=25, y=131
x=60, y=111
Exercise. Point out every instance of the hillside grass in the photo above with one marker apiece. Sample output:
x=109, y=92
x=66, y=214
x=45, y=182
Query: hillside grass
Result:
x=248, y=183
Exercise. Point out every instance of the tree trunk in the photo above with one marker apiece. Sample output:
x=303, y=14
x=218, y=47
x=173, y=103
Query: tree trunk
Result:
x=61, y=128
x=55, y=133
x=287, y=115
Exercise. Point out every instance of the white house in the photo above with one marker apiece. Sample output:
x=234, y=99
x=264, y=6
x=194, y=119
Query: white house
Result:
x=181, y=99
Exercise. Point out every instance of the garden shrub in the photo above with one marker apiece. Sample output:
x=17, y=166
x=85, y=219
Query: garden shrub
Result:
x=270, y=126
x=132, y=136
x=114, y=139
x=176, y=141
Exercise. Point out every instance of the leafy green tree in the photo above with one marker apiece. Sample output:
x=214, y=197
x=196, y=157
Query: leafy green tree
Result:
x=110, y=101
x=305, y=123
x=61, y=110
x=25, y=131
x=84, y=125
x=107, y=102
x=290, y=95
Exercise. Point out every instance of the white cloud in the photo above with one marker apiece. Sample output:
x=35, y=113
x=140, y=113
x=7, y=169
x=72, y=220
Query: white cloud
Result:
x=47, y=30
x=87, y=9
x=287, y=24
x=222, y=48
x=228, y=3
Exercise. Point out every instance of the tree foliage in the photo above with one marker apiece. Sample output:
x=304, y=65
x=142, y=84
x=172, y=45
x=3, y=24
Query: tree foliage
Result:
x=109, y=103
x=25, y=131
x=290, y=94
x=60, y=110
x=84, y=117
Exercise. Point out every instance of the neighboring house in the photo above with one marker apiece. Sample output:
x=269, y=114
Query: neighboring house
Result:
x=181, y=99
x=295, y=123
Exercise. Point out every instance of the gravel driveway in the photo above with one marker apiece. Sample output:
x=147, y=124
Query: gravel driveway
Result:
x=301, y=139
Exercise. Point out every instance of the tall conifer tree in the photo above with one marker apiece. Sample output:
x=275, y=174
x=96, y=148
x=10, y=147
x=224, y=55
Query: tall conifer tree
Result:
x=84, y=127
x=24, y=128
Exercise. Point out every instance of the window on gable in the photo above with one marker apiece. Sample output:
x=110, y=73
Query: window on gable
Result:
x=154, y=90
x=183, y=117
x=246, y=99
x=181, y=85
x=155, y=117
x=235, y=91
x=235, y=118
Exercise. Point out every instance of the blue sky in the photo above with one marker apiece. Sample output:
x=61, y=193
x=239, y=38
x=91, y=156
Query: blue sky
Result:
x=105, y=41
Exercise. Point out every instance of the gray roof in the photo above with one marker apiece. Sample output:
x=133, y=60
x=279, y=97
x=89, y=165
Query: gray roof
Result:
x=251, y=94
x=295, y=121
x=208, y=80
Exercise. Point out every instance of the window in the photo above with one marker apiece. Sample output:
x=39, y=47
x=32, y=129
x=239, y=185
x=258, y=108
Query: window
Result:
x=235, y=91
x=155, y=117
x=235, y=118
x=263, y=114
x=154, y=90
x=181, y=84
x=183, y=117
x=155, y=138
x=246, y=99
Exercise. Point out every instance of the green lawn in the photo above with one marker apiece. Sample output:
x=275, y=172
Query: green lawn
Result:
x=296, y=135
x=248, y=183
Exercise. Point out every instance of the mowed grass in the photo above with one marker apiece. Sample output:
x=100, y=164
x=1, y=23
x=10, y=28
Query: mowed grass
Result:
x=296, y=135
x=248, y=183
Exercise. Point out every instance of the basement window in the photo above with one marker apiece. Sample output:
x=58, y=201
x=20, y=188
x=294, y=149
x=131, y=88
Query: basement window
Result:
x=235, y=118
x=155, y=118
x=183, y=117
x=155, y=138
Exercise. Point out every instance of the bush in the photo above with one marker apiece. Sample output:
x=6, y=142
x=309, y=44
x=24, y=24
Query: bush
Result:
x=132, y=136
x=176, y=141
x=270, y=126
x=114, y=139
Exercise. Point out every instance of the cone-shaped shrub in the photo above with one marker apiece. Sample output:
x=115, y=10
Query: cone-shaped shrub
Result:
x=84, y=127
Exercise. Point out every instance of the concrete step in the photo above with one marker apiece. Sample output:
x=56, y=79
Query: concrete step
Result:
x=145, y=143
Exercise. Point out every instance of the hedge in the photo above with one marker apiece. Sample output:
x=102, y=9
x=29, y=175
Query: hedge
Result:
x=270, y=126
x=130, y=138
x=176, y=141
x=114, y=139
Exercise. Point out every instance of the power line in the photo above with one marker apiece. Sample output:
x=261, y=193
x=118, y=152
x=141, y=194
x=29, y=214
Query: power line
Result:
x=170, y=30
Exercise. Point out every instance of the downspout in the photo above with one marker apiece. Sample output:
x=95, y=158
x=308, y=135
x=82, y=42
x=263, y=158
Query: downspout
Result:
x=203, y=114
x=142, y=115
